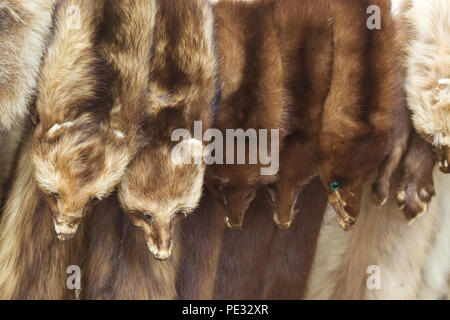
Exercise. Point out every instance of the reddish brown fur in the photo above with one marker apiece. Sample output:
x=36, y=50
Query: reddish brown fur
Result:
x=360, y=109
x=253, y=96
x=255, y=264
x=307, y=53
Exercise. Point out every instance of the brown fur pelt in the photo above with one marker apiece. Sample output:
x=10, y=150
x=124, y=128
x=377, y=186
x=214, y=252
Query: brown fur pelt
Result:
x=127, y=40
x=154, y=189
x=253, y=264
x=33, y=262
x=157, y=191
x=25, y=28
x=253, y=97
x=360, y=111
x=306, y=36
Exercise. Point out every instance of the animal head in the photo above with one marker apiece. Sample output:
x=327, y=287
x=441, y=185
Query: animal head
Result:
x=76, y=164
x=157, y=191
x=432, y=121
x=344, y=188
x=234, y=187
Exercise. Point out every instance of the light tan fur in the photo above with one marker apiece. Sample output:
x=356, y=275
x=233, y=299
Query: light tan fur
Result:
x=79, y=158
x=33, y=262
x=24, y=32
x=381, y=238
x=426, y=44
x=436, y=272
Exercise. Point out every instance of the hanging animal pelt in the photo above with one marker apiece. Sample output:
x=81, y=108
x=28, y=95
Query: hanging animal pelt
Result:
x=25, y=28
x=33, y=262
x=157, y=189
x=253, y=98
x=360, y=112
x=425, y=27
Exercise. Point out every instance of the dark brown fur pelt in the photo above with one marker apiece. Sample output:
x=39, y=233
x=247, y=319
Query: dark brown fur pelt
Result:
x=416, y=187
x=156, y=192
x=33, y=262
x=359, y=114
x=257, y=263
x=306, y=35
x=253, y=97
x=25, y=28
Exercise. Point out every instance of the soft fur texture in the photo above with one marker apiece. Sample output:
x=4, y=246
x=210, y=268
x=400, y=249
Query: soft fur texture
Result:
x=436, y=272
x=359, y=113
x=156, y=192
x=306, y=35
x=426, y=44
x=381, y=238
x=425, y=39
x=25, y=28
x=78, y=157
x=33, y=262
x=254, y=97
x=116, y=263
x=253, y=264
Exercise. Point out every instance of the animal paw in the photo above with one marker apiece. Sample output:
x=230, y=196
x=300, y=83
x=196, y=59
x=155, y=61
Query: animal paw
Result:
x=413, y=198
x=380, y=190
x=443, y=161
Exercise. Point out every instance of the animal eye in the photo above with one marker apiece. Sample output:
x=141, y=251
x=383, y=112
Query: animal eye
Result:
x=149, y=217
x=249, y=196
x=335, y=186
x=180, y=213
x=54, y=195
x=92, y=199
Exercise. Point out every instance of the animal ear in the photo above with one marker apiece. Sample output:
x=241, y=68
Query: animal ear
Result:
x=57, y=128
x=119, y=134
x=188, y=151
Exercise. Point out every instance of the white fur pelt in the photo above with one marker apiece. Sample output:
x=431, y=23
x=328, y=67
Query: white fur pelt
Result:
x=425, y=37
x=437, y=269
x=24, y=30
x=381, y=238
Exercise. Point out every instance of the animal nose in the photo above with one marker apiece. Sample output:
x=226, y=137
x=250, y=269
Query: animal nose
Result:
x=65, y=236
x=161, y=258
x=237, y=226
x=162, y=255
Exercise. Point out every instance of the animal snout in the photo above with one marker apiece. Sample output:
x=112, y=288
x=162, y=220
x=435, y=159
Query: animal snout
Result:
x=66, y=236
x=160, y=254
x=65, y=231
x=233, y=225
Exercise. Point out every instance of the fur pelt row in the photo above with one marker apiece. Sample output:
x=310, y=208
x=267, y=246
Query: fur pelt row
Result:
x=411, y=259
x=96, y=164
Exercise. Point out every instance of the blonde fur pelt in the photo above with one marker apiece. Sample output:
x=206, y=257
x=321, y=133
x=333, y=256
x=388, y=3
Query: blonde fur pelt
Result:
x=25, y=28
x=436, y=272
